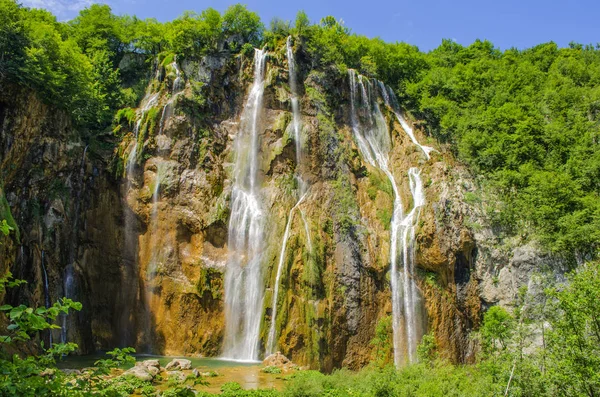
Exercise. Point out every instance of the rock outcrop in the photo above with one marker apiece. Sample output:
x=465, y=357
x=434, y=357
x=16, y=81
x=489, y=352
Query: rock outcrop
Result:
x=141, y=239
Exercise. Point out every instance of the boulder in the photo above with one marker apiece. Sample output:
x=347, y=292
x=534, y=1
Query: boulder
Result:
x=277, y=360
x=151, y=363
x=153, y=371
x=140, y=372
x=179, y=364
x=177, y=375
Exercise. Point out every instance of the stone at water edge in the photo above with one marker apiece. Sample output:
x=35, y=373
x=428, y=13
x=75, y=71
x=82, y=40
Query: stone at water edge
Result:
x=180, y=376
x=149, y=363
x=179, y=363
x=277, y=360
x=196, y=372
x=140, y=372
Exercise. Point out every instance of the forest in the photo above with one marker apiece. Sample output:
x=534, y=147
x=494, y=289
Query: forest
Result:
x=524, y=122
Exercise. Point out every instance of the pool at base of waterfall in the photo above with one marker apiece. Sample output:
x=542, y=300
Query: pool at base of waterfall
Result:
x=215, y=371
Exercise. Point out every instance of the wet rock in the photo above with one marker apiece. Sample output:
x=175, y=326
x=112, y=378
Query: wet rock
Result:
x=179, y=363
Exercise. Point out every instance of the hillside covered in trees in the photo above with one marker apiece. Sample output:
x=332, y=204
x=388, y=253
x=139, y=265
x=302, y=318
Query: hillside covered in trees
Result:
x=522, y=124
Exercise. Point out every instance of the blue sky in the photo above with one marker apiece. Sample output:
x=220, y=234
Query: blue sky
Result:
x=507, y=23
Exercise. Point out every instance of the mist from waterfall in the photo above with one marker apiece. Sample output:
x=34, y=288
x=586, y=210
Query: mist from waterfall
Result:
x=243, y=275
x=373, y=139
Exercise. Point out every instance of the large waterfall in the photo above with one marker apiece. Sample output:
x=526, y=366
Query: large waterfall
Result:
x=243, y=276
x=372, y=136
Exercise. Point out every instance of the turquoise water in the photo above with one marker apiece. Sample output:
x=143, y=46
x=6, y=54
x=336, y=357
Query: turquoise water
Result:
x=78, y=362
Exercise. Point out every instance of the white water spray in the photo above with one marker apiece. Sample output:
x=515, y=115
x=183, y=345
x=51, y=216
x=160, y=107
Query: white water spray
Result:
x=243, y=276
x=372, y=136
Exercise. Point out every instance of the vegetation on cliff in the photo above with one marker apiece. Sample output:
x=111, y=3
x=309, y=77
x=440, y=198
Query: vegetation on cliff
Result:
x=525, y=121
x=511, y=362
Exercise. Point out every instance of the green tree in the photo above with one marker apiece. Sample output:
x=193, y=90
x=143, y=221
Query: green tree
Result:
x=242, y=26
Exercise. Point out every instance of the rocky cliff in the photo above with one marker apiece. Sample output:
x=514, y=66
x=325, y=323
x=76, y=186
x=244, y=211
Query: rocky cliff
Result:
x=135, y=224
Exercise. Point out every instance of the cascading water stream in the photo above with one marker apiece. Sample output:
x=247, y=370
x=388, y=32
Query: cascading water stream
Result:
x=286, y=236
x=147, y=103
x=372, y=136
x=408, y=249
x=154, y=221
x=296, y=120
x=129, y=271
x=307, y=231
x=390, y=99
x=178, y=83
x=302, y=192
x=243, y=276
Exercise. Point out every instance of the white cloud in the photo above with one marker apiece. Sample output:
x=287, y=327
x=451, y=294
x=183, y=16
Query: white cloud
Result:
x=63, y=9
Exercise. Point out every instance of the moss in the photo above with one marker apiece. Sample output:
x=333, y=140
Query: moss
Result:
x=125, y=114
x=271, y=370
x=385, y=217
x=315, y=95
x=379, y=182
x=166, y=58
x=346, y=205
x=5, y=214
x=210, y=280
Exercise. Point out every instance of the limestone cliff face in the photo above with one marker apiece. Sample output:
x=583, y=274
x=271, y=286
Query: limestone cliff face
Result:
x=64, y=206
x=141, y=231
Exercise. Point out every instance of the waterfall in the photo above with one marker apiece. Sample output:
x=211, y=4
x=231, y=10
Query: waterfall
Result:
x=129, y=270
x=154, y=221
x=390, y=99
x=372, y=136
x=147, y=103
x=302, y=192
x=178, y=83
x=294, y=99
x=47, y=302
x=286, y=236
x=243, y=275
x=408, y=258
x=307, y=231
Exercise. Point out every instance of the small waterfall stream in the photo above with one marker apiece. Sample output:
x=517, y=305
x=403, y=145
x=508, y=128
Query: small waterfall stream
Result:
x=373, y=139
x=243, y=275
x=302, y=192
x=129, y=270
x=179, y=82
